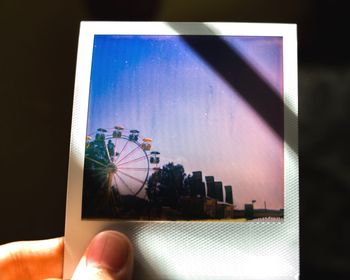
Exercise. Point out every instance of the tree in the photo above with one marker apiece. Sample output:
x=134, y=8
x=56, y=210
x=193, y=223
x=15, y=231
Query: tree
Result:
x=166, y=185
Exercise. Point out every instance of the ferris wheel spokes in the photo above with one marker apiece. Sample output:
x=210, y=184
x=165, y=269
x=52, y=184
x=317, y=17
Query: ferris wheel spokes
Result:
x=96, y=161
x=132, y=161
x=123, y=182
x=133, y=168
x=131, y=177
x=127, y=155
x=122, y=150
x=107, y=151
x=134, y=179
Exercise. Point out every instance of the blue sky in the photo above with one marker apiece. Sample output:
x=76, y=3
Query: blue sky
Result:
x=158, y=85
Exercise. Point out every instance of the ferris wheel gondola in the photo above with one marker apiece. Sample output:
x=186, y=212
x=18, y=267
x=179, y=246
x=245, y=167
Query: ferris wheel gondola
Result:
x=154, y=157
x=134, y=135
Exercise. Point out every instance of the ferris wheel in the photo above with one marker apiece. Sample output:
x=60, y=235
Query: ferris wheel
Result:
x=122, y=158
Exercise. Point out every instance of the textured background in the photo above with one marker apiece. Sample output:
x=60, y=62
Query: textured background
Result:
x=38, y=54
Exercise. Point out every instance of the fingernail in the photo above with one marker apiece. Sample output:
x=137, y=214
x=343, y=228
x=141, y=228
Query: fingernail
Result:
x=108, y=250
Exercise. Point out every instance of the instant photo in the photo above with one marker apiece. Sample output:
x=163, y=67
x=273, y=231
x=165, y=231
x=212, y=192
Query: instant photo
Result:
x=184, y=138
x=169, y=137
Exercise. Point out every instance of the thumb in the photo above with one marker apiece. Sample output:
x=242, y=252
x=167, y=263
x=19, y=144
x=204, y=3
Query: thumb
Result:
x=109, y=256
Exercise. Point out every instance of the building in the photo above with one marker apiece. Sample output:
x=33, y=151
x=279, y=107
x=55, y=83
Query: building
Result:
x=224, y=211
x=210, y=206
x=210, y=186
x=229, y=211
x=197, y=187
x=228, y=195
x=249, y=211
x=219, y=191
x=197, y=175
x=193, y=208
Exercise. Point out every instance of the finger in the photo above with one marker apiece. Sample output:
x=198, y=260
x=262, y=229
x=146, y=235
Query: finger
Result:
x=32, y=259
x=109, y=256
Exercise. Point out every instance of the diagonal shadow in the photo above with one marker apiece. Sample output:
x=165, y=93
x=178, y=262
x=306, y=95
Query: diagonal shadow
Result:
x=243, y=78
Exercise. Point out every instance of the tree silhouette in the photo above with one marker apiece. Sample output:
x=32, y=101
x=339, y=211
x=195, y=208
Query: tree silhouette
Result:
x=166, y=185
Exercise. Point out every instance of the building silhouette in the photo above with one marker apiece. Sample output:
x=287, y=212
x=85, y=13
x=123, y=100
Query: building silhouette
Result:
x=208, y=200
x=197, y=175
x=197, y=186
x=228, y=195
x=210, y=186
x=219, y=191
x=249, y=211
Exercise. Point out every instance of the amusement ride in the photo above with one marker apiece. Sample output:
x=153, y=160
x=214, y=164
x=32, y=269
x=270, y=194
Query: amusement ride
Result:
x=123, y=158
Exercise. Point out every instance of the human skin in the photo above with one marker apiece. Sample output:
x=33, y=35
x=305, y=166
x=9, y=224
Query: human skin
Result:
x=109, y=256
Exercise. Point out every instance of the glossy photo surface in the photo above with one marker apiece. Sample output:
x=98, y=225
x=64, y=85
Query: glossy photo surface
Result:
x=171, y=137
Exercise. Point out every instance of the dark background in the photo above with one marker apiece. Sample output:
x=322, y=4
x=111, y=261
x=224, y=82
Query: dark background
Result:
x=37, y=57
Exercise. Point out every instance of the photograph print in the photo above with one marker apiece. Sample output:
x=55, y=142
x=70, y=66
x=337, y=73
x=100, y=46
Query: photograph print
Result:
x=172, y=136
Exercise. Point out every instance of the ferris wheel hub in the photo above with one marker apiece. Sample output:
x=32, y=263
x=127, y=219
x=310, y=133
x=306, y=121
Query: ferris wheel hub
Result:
x=112, y=168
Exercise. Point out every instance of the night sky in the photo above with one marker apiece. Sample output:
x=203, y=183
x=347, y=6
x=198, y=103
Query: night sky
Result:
x=159, y=86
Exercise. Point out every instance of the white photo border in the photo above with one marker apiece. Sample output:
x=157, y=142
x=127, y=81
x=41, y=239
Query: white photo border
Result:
x=192, y=250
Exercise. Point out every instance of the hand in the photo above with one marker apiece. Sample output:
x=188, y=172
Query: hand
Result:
x=109, y=256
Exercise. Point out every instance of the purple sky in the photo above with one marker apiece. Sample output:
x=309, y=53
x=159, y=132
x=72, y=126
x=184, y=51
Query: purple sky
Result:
x=158, y=85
